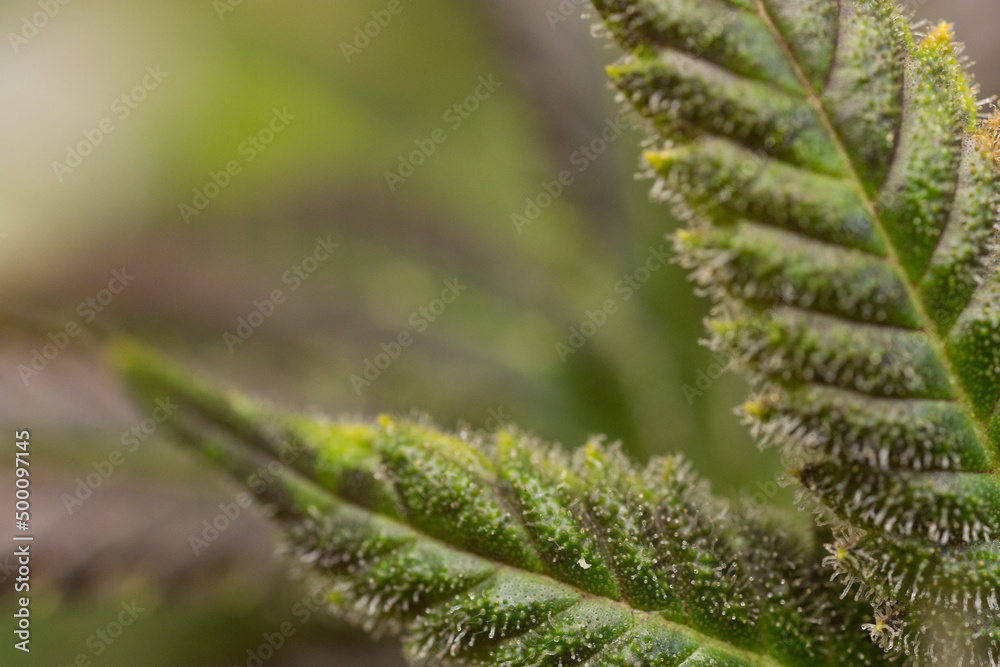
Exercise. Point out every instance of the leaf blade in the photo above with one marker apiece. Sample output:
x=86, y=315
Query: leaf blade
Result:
x=460, y=601
x=916, y=191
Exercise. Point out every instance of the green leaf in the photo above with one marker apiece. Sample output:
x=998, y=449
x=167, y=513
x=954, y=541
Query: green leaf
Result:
x=503, y=551
x=842, y=199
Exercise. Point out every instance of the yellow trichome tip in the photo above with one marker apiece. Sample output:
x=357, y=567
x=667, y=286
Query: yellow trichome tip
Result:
x=988, y=134
x=941, y=36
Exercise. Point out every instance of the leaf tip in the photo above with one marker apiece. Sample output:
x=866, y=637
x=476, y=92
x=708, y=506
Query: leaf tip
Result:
x=942, y=36
x=988, y=134
x=754, y=408
x=658, y=160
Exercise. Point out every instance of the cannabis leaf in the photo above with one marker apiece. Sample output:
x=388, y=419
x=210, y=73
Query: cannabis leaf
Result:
x=502, y=551
x=842, y=197
x=842, y=200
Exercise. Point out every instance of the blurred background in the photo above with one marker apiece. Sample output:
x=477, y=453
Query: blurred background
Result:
x=459, y=177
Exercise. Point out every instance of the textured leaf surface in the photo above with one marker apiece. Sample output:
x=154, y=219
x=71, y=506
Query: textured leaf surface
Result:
x=842, y=200
x=503, y=551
